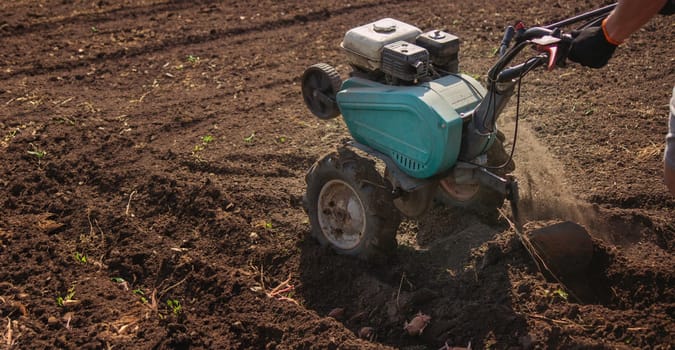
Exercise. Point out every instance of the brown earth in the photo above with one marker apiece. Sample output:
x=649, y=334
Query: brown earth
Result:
x=153, y=156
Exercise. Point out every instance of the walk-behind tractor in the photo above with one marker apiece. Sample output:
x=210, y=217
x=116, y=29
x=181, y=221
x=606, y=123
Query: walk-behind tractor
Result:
x=421, y=131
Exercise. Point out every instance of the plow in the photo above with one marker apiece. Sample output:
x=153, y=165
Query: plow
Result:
x=421, y=132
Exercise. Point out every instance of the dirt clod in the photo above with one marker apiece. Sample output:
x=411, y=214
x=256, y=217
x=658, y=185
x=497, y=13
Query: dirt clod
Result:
x=337, y=313
x=417, y=325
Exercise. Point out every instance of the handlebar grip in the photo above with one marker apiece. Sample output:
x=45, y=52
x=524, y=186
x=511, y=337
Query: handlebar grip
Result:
x=506, y=40
x=514, y=72
x=509, y=74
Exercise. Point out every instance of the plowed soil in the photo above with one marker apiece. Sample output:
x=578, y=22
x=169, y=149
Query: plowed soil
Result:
x=152, y=164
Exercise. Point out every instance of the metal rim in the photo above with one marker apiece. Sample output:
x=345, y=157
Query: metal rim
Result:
x=341, y=214
x=462, y=193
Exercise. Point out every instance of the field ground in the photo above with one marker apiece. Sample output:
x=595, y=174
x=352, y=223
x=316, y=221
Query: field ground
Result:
x=152, y=163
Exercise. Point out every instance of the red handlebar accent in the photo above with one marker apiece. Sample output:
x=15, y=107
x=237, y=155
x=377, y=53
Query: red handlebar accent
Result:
x=548, y=44
x=552, y=55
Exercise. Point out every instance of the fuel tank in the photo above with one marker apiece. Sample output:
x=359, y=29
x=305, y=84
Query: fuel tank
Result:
x=419, y=126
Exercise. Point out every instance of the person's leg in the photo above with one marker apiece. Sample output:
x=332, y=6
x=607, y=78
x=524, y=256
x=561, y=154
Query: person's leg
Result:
x=669, y=159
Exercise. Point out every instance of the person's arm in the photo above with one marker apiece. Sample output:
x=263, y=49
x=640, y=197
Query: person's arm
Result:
x=594, y=46
x=669, y=158
x=629, y=16
x=669, y=179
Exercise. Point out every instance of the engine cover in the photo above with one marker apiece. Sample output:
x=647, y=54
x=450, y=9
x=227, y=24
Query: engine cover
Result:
x=419, y=127
x=364, y=44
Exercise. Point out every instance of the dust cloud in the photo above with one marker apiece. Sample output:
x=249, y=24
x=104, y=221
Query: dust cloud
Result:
x=545, y=193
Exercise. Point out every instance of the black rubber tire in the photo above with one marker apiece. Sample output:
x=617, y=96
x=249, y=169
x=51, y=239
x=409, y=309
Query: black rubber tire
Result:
x=321, y=80
x=344, y=172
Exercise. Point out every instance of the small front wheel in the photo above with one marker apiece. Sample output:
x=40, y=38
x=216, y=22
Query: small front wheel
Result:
x=320, y=85
x=350, y=206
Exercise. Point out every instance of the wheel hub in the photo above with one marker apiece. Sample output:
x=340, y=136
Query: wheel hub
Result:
x=341, y=214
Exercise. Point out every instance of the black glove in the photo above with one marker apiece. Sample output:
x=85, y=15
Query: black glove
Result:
x=590, y=48
x=668, y=9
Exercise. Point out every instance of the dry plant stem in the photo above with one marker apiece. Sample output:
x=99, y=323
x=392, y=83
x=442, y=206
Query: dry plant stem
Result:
x=398, y=293
x=281, y=288
x=177, y=284
x=143, y=96
x=65, y=101
x=289, y=299
x=540, y=317
x=262, y=276
x=528, y=245
x=129, y=202
x=101, y=231
x=68, y=319
x=8, y=335
x=153, y=300
x=92, y=232
x=568, y=322
x=123, y=327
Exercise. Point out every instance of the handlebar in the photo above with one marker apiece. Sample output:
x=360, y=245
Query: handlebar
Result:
x=514, y=72
x=557, y=48
x=522, y=41
x=601, y=12
x=552, y=44
x=553, y=47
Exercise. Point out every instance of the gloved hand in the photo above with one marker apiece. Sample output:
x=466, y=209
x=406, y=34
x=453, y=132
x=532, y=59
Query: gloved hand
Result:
x=668, y=9
x=590, y=47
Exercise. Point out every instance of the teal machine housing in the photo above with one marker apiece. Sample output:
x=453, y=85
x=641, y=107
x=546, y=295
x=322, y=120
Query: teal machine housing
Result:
x=419, y=127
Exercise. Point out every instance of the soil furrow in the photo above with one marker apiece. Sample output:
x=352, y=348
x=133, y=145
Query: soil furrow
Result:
x=257, y=30
x=153, y=157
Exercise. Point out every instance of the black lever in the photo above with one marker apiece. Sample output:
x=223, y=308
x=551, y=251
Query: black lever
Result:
x=508, y=35
x=517, y=71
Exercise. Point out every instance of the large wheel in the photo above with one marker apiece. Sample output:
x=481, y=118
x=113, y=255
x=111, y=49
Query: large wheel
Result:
x=350, y=206
x=320, y=85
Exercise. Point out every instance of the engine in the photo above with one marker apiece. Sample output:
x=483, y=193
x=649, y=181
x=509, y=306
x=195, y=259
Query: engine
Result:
x=396, y=53
x=404, y=98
